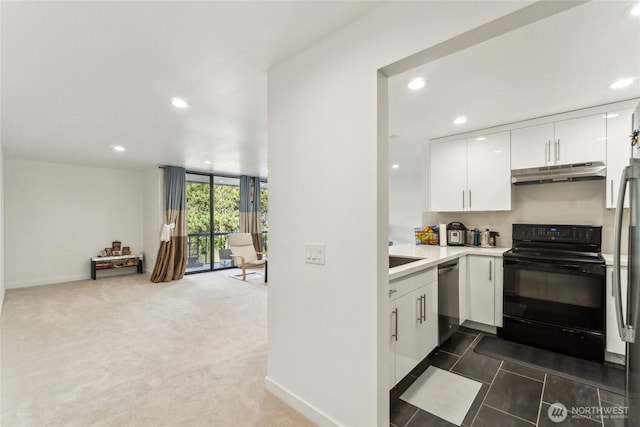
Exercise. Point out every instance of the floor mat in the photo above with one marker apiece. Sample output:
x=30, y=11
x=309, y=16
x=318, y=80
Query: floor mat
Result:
x=442, y=393
x=607, y=377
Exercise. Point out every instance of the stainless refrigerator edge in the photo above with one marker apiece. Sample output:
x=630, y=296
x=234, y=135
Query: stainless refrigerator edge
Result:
x=628, y=322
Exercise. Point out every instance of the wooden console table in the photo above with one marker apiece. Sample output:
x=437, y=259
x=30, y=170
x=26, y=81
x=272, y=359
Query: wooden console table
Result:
x=112, y=262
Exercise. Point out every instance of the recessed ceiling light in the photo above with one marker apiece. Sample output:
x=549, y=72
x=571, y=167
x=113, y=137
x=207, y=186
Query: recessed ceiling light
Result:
x=179, y=103
x=119, y=148
x=207, y=162
x=417, y=83
x=482, y=138
x=619, y=84
x=395, y=166
x=603, y=138
x=460, y=120
x=636, y=10
x=497, y=151
x=609, y=116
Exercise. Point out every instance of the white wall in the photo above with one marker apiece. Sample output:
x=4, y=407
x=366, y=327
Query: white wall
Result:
x=328, y=184
x=58, y=216
x=153, y=214
x=2, y=228
x=405, y=205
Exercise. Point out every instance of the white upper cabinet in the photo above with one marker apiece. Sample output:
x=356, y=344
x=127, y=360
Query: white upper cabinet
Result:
x=578, y=140
x=581, y=140
x=619, y=124
x=531, y=146
x=471, y=175
x=489, y=172
x=448, y=176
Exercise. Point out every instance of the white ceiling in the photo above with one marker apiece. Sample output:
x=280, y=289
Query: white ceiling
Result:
x=80, y=77
x=561, y=63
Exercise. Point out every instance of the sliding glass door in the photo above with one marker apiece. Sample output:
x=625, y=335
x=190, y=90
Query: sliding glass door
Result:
x=199, y=213
x=226, y=217
x=213, y=211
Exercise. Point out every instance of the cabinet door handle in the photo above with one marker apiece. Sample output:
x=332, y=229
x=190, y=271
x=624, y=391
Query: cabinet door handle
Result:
x=419, y=301
x=611, y=193
x=395, y=335
x=548, y=144
x=612, y=283
x=558, y=150
x=392, y=291
x=469, y=199
x=424, y=304
x=490, y=268
x=462, y=199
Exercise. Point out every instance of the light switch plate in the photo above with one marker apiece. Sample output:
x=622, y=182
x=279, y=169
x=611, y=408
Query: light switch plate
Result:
x=314, y=253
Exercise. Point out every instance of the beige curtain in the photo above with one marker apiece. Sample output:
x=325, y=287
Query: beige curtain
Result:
x=171, y=261
x=250, y=209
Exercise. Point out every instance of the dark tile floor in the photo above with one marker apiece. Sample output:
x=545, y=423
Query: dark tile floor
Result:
x=511, y=394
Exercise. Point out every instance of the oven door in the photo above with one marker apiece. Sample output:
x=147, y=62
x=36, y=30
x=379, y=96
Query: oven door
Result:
x=564, y=294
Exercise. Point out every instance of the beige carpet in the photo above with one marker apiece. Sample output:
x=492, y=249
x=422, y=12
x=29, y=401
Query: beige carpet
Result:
x=122, y=351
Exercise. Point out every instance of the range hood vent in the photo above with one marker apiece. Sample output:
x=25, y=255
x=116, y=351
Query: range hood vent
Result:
x=561, y=173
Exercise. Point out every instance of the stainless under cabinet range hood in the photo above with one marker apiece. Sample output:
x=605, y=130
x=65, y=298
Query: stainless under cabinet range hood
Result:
x=560, y=173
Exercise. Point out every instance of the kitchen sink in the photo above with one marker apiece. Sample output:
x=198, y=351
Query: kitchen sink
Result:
x=395, y=261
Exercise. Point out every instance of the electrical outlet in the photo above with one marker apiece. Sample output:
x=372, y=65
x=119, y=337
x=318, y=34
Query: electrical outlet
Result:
x=314, y=253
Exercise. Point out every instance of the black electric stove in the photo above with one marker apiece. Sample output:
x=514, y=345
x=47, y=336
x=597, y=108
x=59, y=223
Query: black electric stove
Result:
x=554, y=289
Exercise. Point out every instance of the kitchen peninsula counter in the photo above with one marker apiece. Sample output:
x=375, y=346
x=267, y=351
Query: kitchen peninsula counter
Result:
x=431, y=256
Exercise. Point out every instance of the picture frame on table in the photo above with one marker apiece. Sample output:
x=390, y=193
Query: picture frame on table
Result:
x=108, y=252
x=126, y=250
x=116, y=246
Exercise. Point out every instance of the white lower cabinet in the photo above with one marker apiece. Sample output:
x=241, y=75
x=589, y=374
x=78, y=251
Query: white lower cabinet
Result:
x=413, y=328
x=498, y=291
x=614, y=343
x=482, y=291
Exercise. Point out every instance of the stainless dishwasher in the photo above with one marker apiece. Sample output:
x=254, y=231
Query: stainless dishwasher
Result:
x=448, y=301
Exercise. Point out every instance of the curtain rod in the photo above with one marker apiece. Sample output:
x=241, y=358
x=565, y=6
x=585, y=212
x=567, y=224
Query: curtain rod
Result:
x=215, y=174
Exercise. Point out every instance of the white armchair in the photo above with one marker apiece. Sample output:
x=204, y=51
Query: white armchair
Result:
x=244, y=254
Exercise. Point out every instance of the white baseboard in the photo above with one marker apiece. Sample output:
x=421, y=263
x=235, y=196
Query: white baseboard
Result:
x=300, y=405
x=47, y=281
x=64, y=279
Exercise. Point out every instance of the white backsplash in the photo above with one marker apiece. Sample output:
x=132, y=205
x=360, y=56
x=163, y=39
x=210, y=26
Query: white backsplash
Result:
x=580, y=203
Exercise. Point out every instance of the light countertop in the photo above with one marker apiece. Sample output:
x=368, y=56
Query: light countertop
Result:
x=431, y=256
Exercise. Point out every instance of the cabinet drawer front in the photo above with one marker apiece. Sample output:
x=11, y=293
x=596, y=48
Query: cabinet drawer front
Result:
x=409, y=283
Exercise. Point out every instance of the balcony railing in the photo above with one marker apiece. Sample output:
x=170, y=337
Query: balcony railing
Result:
x=199, y=250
